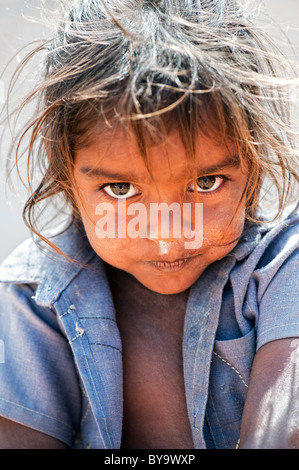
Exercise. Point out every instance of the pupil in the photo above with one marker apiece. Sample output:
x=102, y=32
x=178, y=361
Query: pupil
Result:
x=206, y=182
x=120, y=189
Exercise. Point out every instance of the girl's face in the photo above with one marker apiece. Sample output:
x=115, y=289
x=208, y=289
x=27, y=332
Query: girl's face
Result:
x=111, y=177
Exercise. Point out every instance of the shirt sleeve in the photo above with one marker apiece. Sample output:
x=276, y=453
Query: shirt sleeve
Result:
x=39, y=384
x=279, y=306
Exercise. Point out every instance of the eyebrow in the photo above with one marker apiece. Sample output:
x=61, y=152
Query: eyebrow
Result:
x=101, y=173
x=231, y=162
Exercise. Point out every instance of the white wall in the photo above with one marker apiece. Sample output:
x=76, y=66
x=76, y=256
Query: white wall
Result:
x=16, y=31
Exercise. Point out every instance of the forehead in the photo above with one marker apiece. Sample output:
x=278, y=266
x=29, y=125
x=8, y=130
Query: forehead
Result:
x=121, y=153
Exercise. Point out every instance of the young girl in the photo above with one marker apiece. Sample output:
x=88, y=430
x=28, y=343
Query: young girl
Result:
x=117, y=332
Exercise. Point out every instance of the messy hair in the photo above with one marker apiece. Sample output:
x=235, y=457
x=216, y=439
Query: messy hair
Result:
x=150, y=66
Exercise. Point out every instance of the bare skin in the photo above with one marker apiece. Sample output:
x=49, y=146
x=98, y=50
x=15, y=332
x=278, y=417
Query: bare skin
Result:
x=151, y=328
x=16, y=436
x=270, y=419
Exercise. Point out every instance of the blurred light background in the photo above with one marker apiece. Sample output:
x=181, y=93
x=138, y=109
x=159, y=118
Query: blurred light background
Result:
x=18, y=29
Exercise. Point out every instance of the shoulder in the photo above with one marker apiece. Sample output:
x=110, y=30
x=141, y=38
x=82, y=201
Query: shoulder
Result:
x=22, y=264
x=279, y=253
x=35, y=263
x=270, y=290
x=264, y=249
x=281, y=241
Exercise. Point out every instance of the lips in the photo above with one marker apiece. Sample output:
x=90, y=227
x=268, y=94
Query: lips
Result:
x=170, y=266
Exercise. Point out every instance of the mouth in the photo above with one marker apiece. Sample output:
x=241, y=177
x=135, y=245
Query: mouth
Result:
x=170, y=266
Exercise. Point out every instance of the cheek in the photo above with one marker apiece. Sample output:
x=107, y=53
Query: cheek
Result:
x=221, y=229
x=218, y=217
x=115, y=251
x=226, y=215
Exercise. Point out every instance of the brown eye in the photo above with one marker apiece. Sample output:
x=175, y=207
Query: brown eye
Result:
x=206, y=183
x=120, y=190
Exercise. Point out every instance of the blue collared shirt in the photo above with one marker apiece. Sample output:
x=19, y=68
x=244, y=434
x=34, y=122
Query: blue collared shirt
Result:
x=61, y=352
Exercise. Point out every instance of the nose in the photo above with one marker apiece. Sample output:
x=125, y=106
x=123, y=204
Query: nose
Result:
x=174, y=229
x=164, y=247
x=165, y=221
x=165, y=226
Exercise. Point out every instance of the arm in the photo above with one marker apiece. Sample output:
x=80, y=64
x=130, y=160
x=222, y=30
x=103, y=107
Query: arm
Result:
x=16, y=436
x=271, y=418
x=39, y=382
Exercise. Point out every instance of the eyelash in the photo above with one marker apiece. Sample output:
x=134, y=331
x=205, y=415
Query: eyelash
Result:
x=222, y=177
x=212, y=191
x=102, y=188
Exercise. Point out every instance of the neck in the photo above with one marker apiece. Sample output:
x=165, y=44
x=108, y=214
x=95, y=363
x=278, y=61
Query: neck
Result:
x=126, y=288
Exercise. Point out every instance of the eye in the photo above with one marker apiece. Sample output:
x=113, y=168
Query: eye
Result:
x=208, y=184
x=120, y=190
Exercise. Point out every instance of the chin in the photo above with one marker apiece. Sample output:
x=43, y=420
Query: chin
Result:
x=168, y=286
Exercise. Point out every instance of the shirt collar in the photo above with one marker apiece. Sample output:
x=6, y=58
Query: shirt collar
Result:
x=58, y=271
x=250, y=238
